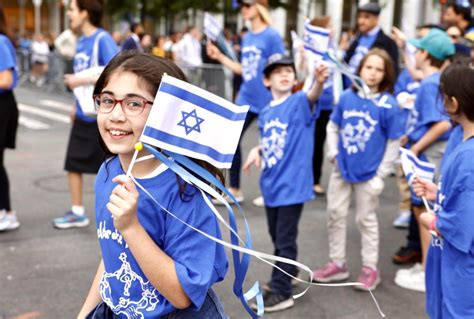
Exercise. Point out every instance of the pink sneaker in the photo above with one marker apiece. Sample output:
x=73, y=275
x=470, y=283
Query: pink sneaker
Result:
x=330, y=272
x=369, y=277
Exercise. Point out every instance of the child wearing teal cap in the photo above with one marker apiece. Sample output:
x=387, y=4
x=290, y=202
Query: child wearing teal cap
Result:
x=431, y=132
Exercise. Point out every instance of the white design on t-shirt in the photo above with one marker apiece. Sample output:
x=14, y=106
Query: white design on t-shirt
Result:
x=128, y=305
x=355, y=137
x=104, y=233
x=273, y=144
x=250, y=59
x=412, y=120
x=81, y=62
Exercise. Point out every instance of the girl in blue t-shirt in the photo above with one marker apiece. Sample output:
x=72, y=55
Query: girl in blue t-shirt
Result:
x=95, y=48
x=286, y=128
x=258, y=45
x=450, y=260
x=8, y=120
x=153, y=266
x=363, y=140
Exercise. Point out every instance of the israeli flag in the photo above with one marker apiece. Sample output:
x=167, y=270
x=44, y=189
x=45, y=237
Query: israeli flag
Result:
x=212, y=28
x=316, y=40
x=413, y=167
x=188, y=120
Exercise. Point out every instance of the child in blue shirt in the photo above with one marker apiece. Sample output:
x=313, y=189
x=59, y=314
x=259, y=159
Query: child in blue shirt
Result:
x=153, y=266
x=363, y=140
x=261, y=42
x=450, y=260
x=8, y=120
x=95, y=48
x=430, y=134
x=286, y=128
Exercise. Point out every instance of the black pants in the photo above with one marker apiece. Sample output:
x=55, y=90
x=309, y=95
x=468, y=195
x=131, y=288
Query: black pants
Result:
x=237, y=161
x=283, y=228
x=319, y=139
x=413, y=237
x=4, y=184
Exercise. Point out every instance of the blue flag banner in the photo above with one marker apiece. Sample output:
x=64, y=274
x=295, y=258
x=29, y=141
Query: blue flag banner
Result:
x=188, y=120
x=414, y=167
x=316, y=40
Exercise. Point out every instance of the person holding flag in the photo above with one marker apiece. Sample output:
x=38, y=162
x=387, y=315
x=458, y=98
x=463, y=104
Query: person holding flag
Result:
x=257, y=46
x=286, y=128
x=363, y=141
x=450, y=261
x=153, y=265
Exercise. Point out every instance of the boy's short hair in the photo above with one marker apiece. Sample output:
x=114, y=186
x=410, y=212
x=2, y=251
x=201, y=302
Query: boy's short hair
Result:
x=275, y=60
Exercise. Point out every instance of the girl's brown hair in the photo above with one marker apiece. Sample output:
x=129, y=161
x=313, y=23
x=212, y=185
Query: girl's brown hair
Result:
x=149, y=70
x=388, y=81
x=457, y=81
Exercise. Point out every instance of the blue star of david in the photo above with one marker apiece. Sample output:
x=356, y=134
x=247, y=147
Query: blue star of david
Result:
x=190, y=128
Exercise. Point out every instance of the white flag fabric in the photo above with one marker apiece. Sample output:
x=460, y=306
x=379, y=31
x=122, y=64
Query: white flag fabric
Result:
x=190, y=121
x=212, y=28
x=414, y=167
x=316, y=40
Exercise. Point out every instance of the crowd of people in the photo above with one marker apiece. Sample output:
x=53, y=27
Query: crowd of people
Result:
x=417, y=94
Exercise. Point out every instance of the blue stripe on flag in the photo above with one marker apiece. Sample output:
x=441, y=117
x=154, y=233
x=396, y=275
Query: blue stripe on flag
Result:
x=313, y=50
x=420, y=165
x=185, y=143
x=201, y=102
x=323, y=33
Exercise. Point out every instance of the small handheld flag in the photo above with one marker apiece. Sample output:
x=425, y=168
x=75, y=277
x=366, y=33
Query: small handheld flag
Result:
x=190, y=121
x=316, y=40
x=414, y=167
x=212, y=28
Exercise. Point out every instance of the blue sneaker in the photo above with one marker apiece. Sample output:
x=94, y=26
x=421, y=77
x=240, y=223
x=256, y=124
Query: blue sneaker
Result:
x=402, y=220
x=71, y=220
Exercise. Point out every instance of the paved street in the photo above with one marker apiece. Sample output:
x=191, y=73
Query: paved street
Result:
x=46, y=273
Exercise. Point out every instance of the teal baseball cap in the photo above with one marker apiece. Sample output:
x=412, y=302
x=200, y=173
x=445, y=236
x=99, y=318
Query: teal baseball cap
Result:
x=437, y=43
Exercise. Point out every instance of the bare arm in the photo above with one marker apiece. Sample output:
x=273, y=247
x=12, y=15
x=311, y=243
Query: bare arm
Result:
x=6, y=79
x=72, y=81
x=321, y=74
x=214, y=53
x=158, y=267
x=93, y=298
x=435, y=131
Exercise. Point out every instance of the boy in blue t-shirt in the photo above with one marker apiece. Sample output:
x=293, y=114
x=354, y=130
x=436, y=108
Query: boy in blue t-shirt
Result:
x=286, y=129
x=431, y=131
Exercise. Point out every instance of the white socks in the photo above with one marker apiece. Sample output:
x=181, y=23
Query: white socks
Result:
x=78, y=210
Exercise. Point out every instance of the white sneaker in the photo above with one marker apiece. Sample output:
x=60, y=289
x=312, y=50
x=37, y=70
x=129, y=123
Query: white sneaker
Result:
x=402, y=220
x=412, y=278
x=8, y=221
x=239, y=197
x=259, y=201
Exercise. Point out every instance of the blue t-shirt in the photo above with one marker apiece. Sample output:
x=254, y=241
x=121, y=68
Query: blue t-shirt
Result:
x=8, y=60
x=83, y=58
x=199, y=261
x=430, y=108
x=405, y=83
x=450, y=268
x=286, y=141
x=256, y=49
x=455, y=139
x=364, y=129
x=365, y=43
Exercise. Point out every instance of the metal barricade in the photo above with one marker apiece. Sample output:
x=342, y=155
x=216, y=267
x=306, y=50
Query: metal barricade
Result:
x=211, y=77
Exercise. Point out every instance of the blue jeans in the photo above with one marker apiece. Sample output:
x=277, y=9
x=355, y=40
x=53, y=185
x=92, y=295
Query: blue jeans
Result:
x=211, y=309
